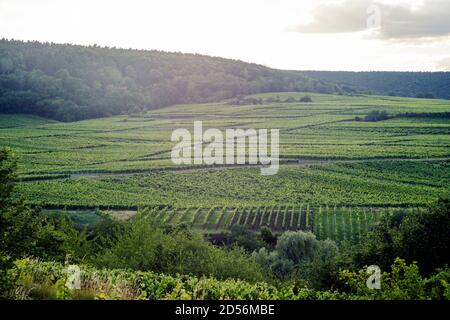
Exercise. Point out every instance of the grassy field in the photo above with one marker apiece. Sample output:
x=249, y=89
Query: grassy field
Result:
x=327, y=159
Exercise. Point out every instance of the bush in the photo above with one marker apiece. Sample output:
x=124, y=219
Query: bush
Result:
x=322, y=272
x=376, y=116
x=404, y=282
x=299, y=256
x=147, y=246
x=268, y=237
x=290, y=100
x=297, y=246
x=274, y=264
x=306, y=99
x=45, y=280
x=422, y=237
x=242, y=236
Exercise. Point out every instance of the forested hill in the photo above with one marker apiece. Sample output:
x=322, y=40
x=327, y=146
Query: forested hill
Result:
x=69, y=82
x=406, y=84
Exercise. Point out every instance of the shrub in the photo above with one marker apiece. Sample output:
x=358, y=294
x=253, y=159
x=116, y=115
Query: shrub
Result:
x=290, y=100
x=46, y=279
x=242, y=236
x=301, y=257
x=376, y=116
x=322, y=272
x=297, y=246
x=274, y=264
x=147, y=246
x=419, y=236
x=404, y=282
x=268, y=237
x=306, y=99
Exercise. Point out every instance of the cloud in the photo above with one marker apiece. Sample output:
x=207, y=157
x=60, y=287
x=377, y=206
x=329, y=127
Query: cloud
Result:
x=430, y=20
x=341, y=17
x=443, y=64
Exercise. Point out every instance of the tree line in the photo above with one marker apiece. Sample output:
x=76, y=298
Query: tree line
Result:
x=425, y=85
x=70, y=82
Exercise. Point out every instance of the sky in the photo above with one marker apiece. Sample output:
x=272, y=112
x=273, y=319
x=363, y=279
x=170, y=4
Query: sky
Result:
x=352, y=35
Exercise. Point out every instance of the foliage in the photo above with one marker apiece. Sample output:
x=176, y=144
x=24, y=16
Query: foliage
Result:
x=436, y=115
x=338, y=178
x=68, y=82
x=407, y=84
x=375, y=116
x=42, y=280
x=322, y=271
x=242, y=236
x=105, y=233
x=27, y=232
x=299, y=256
x=124, y=162
x=275, y=264
x=305, y=99
x=404, y=282
x=148, y=246
x=239, y=226
x=297, y=246
x=268, y=237
x=421, y=236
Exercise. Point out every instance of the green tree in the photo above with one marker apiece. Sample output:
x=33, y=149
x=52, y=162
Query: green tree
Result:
x=421, y=237
x=268, y=237
x=374, y=116
x=306, y=99
x=242, y=236
x=301, y=257
x=148, y=246
x=6, y=65
x=297, y=246
x=27, y=232
x=403, y=282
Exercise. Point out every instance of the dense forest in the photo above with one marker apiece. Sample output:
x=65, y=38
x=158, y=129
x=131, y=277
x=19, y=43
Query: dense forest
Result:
x=405, y=84
x=70, y=82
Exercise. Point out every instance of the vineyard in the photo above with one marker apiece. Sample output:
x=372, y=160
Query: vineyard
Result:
x=335, y=223
x=338, y=178
x=326, y=159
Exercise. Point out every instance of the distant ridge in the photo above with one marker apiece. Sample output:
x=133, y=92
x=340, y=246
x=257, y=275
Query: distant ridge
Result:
x=71, y=82
x=406, y=84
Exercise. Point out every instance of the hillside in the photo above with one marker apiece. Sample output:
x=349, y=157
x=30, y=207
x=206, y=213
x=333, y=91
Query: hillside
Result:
x=69, y=82
x=137, y=226
x=326, y=157
x=405, y=84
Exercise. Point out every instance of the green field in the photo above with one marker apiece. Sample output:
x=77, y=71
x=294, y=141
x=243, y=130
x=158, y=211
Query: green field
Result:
x=327, y=159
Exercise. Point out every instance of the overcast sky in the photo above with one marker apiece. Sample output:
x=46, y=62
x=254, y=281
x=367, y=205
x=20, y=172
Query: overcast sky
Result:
x=398, y=35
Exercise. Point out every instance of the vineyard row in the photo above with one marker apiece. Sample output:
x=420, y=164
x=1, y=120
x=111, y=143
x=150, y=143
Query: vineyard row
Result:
x=327, y=223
